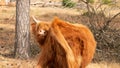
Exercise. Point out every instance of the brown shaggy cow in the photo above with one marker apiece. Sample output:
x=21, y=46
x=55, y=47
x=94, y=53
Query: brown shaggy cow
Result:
x=64, y=45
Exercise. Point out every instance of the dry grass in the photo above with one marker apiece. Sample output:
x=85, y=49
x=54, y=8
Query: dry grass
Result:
x=103, y=65
x=15, y=63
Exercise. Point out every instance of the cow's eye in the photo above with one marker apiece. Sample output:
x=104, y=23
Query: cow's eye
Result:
x=42, y=32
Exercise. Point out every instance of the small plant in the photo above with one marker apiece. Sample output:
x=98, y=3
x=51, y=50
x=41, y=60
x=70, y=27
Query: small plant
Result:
x=93, y=14
x=68, y=3
x=87, y=13
x=90, y=1
x=106, y=1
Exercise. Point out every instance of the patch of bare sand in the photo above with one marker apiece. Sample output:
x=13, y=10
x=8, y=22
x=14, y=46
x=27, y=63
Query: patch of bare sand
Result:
x=7, y=26
x=104, y=65
x=50, y=10
x=16, y=63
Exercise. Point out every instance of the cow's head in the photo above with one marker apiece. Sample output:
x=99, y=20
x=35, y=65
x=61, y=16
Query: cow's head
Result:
x=40, y=30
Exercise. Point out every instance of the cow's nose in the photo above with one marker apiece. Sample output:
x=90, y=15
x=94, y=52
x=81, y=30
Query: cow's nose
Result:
x=42, y=32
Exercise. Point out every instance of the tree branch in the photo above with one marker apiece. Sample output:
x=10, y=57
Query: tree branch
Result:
x=108, y=22
x=112, y=18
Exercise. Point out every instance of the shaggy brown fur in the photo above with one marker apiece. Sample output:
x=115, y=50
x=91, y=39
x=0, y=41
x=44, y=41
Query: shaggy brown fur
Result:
x=63, y=44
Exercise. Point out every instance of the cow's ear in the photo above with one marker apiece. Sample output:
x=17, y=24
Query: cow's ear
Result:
x=33, y=27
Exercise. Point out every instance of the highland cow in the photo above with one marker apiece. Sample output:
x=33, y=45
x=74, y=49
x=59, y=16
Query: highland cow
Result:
x=63, y=45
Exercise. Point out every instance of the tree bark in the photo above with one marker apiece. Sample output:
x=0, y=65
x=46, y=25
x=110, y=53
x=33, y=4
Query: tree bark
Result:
x=22, y=37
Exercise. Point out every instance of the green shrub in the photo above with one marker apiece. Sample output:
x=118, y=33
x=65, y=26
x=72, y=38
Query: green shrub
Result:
x=90, y=1
x=68, y=3
x=106, y=1
x=88, y=13
x=92, y=13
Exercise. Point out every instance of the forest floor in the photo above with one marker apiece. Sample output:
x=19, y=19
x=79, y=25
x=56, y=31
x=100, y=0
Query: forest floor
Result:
x=7, y=36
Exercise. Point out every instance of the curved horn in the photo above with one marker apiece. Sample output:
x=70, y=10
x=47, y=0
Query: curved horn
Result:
x=35, y=20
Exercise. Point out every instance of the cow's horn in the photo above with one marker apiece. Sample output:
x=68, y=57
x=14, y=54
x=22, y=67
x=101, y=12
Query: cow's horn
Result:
x=35, y=20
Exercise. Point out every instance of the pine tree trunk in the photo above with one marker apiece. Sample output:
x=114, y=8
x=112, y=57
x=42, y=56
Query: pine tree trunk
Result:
x=22, y=37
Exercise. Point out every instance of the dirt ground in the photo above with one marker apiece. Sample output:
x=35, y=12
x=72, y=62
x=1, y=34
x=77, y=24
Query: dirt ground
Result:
x=7, y=33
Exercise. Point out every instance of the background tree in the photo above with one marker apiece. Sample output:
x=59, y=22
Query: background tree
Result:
x=22, y=38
